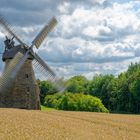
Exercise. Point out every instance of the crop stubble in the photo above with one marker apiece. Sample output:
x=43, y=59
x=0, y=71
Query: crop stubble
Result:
x=18, y=124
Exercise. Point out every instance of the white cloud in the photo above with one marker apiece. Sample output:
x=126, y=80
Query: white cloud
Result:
x=64, y=9
x=99, y=1
x=2, y=35
x=79, y=50
x=96, y=31
x=91, y=37
x=115, y=20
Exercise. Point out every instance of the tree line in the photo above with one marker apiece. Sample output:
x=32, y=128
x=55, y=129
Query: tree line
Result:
x=119, y=94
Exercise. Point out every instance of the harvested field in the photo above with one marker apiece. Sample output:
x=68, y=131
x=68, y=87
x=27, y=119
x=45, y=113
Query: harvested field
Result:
x=60, y=125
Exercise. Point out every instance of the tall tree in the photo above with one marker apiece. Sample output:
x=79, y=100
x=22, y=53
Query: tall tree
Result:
x=77, y=84
x=101, y=86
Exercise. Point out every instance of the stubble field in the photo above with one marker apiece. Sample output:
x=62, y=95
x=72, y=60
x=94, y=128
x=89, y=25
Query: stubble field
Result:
x=18, y=124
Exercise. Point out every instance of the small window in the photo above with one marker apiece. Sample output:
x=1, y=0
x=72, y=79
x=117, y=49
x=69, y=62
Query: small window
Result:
x=28, y=89
x=26, y=75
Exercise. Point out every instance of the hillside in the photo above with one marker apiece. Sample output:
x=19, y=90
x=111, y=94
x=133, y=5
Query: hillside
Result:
x=48, y=125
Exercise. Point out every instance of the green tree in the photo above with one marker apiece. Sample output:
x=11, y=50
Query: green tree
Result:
x=123, y=94
x=127, y=93
x=135, y=91
x=77, y=84
x=102, y=87
x=46, y=88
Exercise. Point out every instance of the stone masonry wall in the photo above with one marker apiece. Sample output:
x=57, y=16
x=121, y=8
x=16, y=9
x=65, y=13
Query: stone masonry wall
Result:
x=25, y=94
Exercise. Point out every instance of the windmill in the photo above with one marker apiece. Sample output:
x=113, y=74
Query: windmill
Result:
x=18, y=86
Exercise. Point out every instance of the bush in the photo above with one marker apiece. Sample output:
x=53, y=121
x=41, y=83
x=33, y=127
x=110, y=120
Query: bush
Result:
x=46, y=88
x=75, y=102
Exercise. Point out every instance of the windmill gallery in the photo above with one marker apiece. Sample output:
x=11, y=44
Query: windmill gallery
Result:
x=18, y=86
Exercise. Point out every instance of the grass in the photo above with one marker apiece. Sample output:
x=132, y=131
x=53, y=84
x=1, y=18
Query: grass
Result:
x=16, y=124
x=46, y=108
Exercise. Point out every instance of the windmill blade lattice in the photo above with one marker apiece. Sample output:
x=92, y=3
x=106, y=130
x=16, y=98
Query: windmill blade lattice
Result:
x=7, y=79
x=9, y=29
x=20, y=63
x=47, y=73
x=44, y=32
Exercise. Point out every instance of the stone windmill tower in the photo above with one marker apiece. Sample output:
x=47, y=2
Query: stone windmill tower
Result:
x=18, y=86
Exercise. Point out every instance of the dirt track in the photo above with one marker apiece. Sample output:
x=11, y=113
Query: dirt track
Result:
x=58, y=125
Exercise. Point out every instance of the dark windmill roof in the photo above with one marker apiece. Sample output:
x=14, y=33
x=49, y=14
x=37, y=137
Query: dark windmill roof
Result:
x=10, y=53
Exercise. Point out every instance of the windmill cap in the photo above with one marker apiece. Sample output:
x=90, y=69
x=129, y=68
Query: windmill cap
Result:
x=10, y=54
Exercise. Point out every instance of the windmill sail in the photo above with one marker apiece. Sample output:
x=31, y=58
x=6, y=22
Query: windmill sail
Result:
x=8, y=28
x=46, y=72
x=20, y=63
x=44, y=32
x=11, y=71
x=7, y=79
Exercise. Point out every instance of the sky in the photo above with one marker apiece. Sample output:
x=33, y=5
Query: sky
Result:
x=91, y=37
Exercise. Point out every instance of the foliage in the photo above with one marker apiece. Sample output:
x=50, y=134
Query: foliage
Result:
x=101, y=86
x=46, y=88
x=118, y=94
x=77, y=84
x=121, y=94
x=128, y=90
x=74, y=102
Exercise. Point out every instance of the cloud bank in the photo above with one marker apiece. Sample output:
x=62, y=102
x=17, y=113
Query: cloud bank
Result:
x=92, y=37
